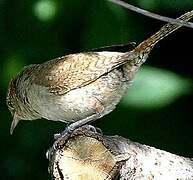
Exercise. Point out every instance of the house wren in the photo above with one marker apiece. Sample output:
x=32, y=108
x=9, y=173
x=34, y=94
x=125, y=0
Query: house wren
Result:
x=78, y=88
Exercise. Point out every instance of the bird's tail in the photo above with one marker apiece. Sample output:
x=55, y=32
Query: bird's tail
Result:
x=141, y=52
x=163, y=32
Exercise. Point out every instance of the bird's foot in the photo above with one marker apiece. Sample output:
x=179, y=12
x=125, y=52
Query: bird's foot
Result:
x=66, y=134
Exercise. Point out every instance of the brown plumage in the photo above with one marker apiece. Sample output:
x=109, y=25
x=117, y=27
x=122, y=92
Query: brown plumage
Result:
x=79, y=87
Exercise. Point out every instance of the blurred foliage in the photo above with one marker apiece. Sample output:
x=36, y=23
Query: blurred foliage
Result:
x=38, y=30
x=45, y=10
x=154, y=87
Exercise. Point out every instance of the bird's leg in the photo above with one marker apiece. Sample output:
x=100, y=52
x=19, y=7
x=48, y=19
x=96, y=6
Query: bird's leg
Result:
x=82, y=122
x=70, y=128
x=98, y=113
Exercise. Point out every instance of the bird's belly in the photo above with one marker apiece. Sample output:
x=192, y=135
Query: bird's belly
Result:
x=101, y=95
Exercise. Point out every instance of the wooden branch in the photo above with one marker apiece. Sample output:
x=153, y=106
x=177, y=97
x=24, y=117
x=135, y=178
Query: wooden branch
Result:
x=152, y=15
x=89, y=155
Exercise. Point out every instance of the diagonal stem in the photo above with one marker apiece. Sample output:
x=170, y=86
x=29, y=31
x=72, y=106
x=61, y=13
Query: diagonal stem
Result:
x=152, y=15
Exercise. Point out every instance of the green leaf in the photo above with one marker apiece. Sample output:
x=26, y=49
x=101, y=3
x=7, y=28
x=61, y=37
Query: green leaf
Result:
x=45, y=10
x=155, y=88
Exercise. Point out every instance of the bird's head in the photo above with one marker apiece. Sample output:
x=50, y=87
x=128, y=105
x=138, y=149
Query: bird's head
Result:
x=12, y=101
x=17, y=97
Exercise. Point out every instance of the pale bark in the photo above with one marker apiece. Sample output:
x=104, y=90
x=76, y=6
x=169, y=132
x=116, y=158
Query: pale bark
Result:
x=87, y=154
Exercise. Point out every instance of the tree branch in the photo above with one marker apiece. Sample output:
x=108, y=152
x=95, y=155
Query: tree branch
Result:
x=88, y=154
x=152, y=15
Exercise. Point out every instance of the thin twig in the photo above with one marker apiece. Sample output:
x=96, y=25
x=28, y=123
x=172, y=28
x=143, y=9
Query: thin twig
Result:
x=152, y=15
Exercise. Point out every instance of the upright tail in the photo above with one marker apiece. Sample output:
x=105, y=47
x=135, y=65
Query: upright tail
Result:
x=140, y=53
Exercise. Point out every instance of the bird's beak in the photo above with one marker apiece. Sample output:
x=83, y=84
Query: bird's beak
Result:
x=14, y=124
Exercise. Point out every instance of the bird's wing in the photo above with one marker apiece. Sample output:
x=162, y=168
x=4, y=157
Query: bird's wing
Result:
x=75, y=70
x=117, y=48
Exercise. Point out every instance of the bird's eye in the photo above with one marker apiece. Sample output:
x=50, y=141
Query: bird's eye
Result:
x=10, y=105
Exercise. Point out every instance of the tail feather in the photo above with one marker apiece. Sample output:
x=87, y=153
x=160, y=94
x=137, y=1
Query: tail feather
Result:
x=139, y=55
x=148, y=44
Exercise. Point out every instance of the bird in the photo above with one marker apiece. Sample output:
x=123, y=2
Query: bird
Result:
x=79, y=88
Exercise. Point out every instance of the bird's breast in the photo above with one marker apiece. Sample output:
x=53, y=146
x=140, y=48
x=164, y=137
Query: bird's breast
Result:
x=81, y=102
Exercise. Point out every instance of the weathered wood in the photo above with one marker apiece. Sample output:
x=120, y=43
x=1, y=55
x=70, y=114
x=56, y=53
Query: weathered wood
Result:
x=88, y=154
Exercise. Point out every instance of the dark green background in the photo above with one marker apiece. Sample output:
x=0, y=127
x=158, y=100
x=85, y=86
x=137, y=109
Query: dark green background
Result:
x=80, y=26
